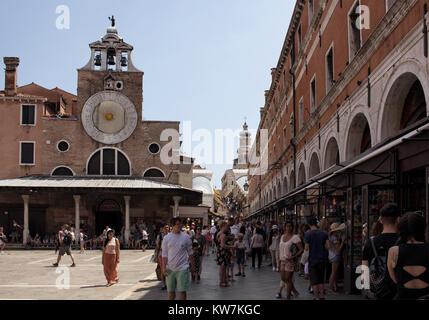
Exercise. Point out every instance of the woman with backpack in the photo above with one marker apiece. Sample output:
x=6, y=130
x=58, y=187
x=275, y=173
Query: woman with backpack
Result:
x=110, y=258
x=408, y=262
x=290, y=249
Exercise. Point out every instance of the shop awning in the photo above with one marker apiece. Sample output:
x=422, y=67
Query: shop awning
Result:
x=338, y=170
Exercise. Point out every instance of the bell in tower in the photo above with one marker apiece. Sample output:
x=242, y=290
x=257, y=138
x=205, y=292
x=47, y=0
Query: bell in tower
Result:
x=111, y=57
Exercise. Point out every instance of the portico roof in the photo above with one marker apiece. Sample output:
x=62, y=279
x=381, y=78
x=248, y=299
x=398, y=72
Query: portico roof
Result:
x=130, y=185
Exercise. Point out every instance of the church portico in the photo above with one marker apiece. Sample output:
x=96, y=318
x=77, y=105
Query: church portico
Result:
x=89, y=204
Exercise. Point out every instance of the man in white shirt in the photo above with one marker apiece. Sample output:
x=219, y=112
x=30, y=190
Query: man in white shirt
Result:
x=145, y=239
x=105, y=232
x=176, y=250
x=235, y=228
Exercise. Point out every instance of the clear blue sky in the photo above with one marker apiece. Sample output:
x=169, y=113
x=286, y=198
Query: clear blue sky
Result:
x=204, y=61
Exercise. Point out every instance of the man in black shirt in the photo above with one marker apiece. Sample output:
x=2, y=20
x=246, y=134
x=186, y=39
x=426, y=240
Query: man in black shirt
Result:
x=389, y=218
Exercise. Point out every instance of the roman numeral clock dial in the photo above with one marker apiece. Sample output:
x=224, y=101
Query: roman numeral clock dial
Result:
x=109, y=117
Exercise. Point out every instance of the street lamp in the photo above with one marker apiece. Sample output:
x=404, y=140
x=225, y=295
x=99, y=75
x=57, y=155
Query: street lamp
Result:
x=246, y=186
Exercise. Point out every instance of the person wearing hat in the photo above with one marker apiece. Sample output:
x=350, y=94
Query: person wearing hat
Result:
x=275, y=247
x=336, y=244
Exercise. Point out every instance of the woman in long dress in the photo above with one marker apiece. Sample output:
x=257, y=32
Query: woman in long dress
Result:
x=111, y=253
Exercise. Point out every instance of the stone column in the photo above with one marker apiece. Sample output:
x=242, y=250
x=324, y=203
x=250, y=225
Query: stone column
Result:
x=25, y=232
x=77, y=216
x=176, y=200
x=205, y=219
x=127, y=219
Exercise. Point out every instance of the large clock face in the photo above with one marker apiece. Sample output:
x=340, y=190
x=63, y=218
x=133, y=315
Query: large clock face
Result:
x=109, y=117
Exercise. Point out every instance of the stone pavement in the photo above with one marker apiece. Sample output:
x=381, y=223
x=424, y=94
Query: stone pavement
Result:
x=257, y=285
x=28, y=274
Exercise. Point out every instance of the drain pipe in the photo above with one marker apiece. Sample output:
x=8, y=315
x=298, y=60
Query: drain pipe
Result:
x=425, y=30
x=294, y=127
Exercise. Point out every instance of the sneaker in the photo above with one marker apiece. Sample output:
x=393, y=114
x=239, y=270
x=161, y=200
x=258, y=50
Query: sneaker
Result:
x=55, y=264
x=73, y=265
x=243, y=275
x=274, y=268
x=277, y=269
x=278, y=295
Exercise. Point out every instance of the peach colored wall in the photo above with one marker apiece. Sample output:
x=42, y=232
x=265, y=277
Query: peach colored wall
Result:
x=11, y=133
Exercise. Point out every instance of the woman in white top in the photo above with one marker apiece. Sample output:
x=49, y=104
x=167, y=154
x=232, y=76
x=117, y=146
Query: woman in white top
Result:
x=290, y=249
x=111, y=257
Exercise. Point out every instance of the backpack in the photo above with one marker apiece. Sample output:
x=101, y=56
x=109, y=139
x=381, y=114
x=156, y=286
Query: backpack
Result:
x=258, y=241
x=67, y=240
x=379, y=274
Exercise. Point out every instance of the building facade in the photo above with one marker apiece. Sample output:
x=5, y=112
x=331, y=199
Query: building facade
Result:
x=89, y=159
x=347, y=118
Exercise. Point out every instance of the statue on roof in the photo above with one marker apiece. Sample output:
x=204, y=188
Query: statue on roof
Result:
x=112, y=19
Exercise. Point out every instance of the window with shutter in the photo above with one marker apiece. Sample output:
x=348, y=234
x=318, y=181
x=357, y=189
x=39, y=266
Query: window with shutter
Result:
x=27, y=153
x=28, y=116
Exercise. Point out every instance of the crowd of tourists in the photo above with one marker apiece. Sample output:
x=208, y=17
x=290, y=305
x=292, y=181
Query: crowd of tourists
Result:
x=395, y=260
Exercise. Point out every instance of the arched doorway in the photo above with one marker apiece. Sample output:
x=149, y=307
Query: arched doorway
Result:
x=301, y=175
x=108, y=213
x=314, y=166
x=405, y=105
x=291, y=181
x=332, y=153
x=285, y=186
x=359, y=138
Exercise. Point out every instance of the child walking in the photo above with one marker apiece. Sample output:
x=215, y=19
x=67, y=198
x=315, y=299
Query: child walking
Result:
x=240, y=251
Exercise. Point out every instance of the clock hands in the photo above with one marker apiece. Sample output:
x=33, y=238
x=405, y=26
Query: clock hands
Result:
x=107, y=115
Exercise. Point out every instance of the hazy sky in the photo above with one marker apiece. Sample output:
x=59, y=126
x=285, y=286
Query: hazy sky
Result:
x=204, y=61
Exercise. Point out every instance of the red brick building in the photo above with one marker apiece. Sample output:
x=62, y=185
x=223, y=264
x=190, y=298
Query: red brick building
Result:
x=88, y=159
x=347, y=117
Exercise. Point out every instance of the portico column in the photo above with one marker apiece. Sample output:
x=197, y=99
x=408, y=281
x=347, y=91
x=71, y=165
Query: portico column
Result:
x=127, y=219
x=77, y=216
x=25, y=233
x=176, y=200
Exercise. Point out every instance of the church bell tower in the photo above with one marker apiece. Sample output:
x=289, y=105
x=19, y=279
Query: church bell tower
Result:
x=110, y=71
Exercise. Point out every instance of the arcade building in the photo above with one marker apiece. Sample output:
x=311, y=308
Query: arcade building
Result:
x=89, y=159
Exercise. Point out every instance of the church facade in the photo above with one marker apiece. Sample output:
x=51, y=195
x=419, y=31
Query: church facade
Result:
x=89, y=159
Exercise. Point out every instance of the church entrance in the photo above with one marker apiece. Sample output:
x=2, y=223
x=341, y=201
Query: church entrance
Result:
x=109, y=214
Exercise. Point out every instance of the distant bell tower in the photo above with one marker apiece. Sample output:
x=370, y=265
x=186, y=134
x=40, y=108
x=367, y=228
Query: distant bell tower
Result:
x=110, y=70
x=244, y=148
